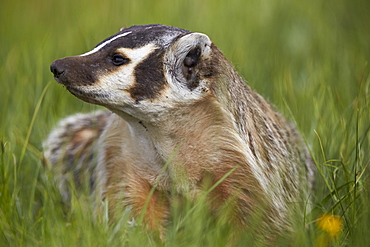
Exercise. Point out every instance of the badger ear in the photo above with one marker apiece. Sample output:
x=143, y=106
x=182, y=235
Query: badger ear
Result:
x=187, y=53
x=193, y=39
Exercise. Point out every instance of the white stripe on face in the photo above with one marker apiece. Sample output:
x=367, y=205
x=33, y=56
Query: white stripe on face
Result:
x=104, y=44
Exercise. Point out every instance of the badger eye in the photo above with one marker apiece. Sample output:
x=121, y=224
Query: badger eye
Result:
x=118, y=60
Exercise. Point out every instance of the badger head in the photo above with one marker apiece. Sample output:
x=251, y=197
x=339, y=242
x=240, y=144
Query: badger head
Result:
x=142, y=70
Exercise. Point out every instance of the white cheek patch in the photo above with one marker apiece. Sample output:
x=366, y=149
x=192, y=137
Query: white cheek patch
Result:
x=124, y=77
x=104, y=44
x=137, y=55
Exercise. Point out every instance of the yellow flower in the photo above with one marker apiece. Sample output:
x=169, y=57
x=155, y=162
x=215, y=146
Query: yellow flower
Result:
x=332, y=224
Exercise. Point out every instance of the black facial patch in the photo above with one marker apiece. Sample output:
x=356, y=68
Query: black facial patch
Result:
x=150, y=80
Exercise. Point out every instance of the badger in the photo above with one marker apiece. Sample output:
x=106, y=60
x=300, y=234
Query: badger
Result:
x=180, y=121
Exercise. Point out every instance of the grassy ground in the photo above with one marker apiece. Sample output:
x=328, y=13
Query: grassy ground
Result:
x=309, y=58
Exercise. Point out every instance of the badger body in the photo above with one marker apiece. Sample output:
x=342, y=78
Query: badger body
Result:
x=181, y=120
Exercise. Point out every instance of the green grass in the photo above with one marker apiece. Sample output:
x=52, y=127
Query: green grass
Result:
x=309, y=58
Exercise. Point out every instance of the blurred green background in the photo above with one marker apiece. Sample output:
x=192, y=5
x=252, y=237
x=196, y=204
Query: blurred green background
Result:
x=309, y=58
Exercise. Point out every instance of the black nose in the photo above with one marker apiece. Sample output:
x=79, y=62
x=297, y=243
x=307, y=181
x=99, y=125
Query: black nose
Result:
x=56, y=69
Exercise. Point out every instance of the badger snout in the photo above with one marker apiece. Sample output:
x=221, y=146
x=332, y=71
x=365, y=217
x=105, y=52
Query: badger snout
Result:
x=61, y=71
x=57, y=69
x=73, y=71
